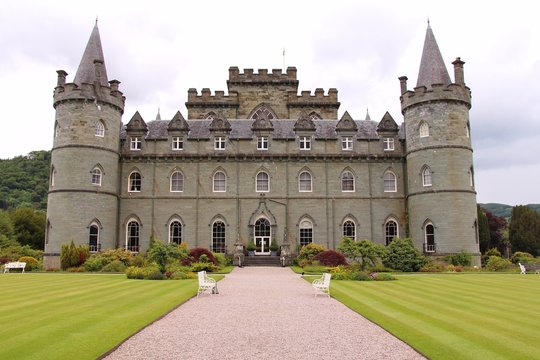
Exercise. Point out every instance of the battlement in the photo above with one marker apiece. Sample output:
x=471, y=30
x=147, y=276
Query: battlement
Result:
x=93, y=92
x=206, y=98
x=438, y=92
x=262, y=76
x=306, y=98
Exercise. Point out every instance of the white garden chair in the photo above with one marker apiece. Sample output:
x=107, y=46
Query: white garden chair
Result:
x=522, y=268
x=206, y=284
x=322, y=285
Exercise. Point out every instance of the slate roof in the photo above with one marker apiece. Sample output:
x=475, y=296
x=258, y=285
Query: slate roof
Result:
x=241, y=129
x=86, y=71
x=432, y=68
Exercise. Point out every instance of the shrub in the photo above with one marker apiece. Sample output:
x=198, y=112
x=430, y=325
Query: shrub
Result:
x=363, y=252
x=402, y=255
x=522, y=257
x=315, y=269
x=490, y=252
x=330, y=258
x=360, y=276
x=122, y=255
x=433, y=266
x=383, y=277
x=179, y=275
x=496, y=263
x=463, y=258
x=222, y=259
x=31, y=263
x=378, y=268
x=75, y=269
x=196, y=253
x=342, y=272
x=309, y=251
x=114, y=266
x=72, y=255
x=155, y=274
x=200, y=266
x=134, y=272
x=162, y=254
x=95, y=263
x=4, y=260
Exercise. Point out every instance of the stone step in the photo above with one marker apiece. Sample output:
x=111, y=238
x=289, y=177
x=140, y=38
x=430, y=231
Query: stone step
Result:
x=262, y=261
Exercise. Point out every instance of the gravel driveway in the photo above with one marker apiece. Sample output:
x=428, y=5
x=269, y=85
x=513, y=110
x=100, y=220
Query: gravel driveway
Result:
x=263, y=313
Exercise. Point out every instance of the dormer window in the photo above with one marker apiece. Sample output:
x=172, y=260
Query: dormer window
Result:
x=304, y=142
x=346, y=143
x=219, y=143
x=177, y=143
x=388, y=144
x=135, y=143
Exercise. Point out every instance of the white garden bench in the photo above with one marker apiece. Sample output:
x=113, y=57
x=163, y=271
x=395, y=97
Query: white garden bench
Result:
x=532, y=267
x=322, y=285
x=14, y=265
x=206, y=284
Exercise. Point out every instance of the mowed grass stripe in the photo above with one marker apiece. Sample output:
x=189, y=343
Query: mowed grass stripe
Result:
x=92, y=315
x=440, y=326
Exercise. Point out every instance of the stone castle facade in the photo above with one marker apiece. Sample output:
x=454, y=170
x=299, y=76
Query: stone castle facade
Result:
x=261, y=163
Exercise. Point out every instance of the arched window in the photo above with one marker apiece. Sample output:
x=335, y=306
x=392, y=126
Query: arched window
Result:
x=93, y=238
x=262, y=182
x=304, y=182
x=210, y=116
x=314, y=116
x=52, y=176
x=177, y=182
x=263, y=111
x=391, y=231
x=132, y=236
x=429, y=232
x=471, y=176
x=100, y=129
x=389, y=182
x=218, y=237
x=135, y=182
x=468, y=130
x=220, y=182
x=426, y=177
x=424, y=130
x=175, y=232
x=347, y=181
x=349, y=229
x=305, y=232
x=96, y=176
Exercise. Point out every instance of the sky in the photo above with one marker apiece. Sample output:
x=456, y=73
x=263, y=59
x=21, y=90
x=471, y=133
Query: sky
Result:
x=158, y=50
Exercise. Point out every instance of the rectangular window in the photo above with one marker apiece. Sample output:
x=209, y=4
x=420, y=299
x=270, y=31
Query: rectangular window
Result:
x=177, y=143
x=388, y=144
x=305, y=142
x=262, y=143
x=346, y=143
x=219, y=143
x=135, y=143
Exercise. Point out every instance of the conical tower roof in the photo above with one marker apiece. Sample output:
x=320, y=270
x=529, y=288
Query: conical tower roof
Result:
x=432, y=68
x=86, y=72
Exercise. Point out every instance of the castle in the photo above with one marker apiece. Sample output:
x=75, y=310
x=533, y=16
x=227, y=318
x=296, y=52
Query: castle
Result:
x=262, y=163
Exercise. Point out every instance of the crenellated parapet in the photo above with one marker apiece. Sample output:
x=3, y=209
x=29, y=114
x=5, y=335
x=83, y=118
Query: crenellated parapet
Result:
x=307, y=99
x=88, y=92
x=262, y=76
x=206, y=99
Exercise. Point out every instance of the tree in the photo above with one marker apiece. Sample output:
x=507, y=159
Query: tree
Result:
x=525, y=230
x=403, y=255
x=496, y=226
x=6, y=227
x=29, y=227
x=483, y=230
x=363, y=252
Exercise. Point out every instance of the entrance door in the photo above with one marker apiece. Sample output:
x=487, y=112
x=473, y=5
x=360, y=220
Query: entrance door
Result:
x=262, y=236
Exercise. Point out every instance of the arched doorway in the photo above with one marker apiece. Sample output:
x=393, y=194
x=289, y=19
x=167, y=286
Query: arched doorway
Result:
x=262, y=236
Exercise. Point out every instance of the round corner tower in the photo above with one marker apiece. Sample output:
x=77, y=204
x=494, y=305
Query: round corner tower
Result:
x=82, y=202
x=441, y=198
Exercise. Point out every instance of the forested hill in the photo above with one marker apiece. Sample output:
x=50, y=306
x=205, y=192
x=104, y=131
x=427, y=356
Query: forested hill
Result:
x=24, y=180
x=504, y=210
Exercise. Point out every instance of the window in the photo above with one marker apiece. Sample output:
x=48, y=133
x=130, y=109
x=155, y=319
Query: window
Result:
x=93, y=238
x=471, y=176
x=262, y=182
x=177, y=182
x=53, y=173
x=218, y=237
x=426, y=177
x=100, y=129
x=219, y=143
x=306, y=233
x=388, y=144
x=135, y=143
x=96, y=176
x=429, y=245
x=424, y=130
x=132, y=236
x=304, y=182
x=175, y=232
x=391, y=231
x=468, y=130
x=262, y=143
x=304, y=142
x=346, y=143
x=135, y=182
x=220, y=182
x=349, y=229
x=177, y=143
x=347, y=181
x=390, y=182
x=263, y=111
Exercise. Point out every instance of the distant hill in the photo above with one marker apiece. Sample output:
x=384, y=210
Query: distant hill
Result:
x=504, y=210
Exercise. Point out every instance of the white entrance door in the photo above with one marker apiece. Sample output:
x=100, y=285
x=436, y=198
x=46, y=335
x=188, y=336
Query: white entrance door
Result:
x=262, y=236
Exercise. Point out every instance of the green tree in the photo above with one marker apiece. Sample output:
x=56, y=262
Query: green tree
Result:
x=403, y=255
x=483, y=230
x=363, y=252
x=6, y=227
x=162, y=254
x=524, y=232
x=29, y=227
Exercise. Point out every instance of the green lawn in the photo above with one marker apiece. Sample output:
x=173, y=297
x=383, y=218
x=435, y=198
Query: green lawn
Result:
x=454, y=316
x=79, y=316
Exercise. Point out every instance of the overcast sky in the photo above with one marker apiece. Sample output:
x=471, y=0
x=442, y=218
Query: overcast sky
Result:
x=160, y=49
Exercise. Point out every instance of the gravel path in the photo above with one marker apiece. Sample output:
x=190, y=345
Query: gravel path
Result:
x=263, y=313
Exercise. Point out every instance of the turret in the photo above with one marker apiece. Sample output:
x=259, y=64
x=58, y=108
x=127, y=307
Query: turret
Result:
x=440, y=192
x=83, y=193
